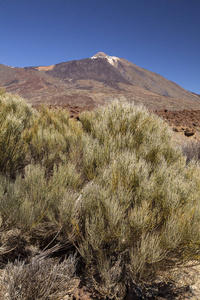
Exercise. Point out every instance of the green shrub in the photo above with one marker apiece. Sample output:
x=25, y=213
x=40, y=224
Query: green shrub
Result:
x=16, y=118
x=24, y=203
x=123, y=126
x=113, y=184
x=34, y=199
x=47, y=141
x=143, y=203
x=55, y=138
x=47, y=137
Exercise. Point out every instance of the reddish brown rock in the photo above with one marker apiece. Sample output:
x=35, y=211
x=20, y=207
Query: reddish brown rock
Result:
x=187, y=121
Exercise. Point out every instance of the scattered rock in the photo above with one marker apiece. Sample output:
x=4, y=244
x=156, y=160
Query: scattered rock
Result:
x=178, y=129
x=189, y=131
x=186, y=118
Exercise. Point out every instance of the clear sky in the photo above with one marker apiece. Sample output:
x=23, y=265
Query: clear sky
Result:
x=162, y=36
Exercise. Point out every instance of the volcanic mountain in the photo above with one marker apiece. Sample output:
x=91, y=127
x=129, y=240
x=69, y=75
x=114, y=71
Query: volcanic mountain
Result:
x=93, y=81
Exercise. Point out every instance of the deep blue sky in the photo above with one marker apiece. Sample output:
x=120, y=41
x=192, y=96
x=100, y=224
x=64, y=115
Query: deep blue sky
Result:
x=159, y=35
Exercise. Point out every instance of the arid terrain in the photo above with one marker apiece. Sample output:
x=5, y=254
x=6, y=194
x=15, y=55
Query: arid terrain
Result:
x=83, y=85
x=185, y=123
x=93, y=81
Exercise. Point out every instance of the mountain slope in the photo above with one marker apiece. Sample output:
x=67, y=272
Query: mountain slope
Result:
x=87, y=69
x=146, y=79
x=93, y=81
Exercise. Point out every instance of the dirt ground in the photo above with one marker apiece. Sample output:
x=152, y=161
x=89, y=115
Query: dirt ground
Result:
x=185, y=123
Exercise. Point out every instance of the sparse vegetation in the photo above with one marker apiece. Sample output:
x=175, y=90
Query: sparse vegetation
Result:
x=112, y=187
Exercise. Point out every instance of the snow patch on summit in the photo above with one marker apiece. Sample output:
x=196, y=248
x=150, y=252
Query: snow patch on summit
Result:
x=111, y=59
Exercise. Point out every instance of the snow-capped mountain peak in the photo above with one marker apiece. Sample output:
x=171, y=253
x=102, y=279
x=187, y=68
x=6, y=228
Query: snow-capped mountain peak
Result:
x=111, y=59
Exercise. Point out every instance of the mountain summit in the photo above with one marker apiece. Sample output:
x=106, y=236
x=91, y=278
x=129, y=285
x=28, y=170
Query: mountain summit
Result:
x=100, y=55
x=93, y=81
x=111, y=59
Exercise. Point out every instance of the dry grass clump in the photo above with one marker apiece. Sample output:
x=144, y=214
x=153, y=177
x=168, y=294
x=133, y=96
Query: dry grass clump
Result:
x=191, y=150
x=114, y=185
x=40, y=279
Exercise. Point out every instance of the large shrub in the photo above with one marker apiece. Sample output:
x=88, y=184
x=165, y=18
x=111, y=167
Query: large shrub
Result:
x=143, y=204
x=114, y=185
